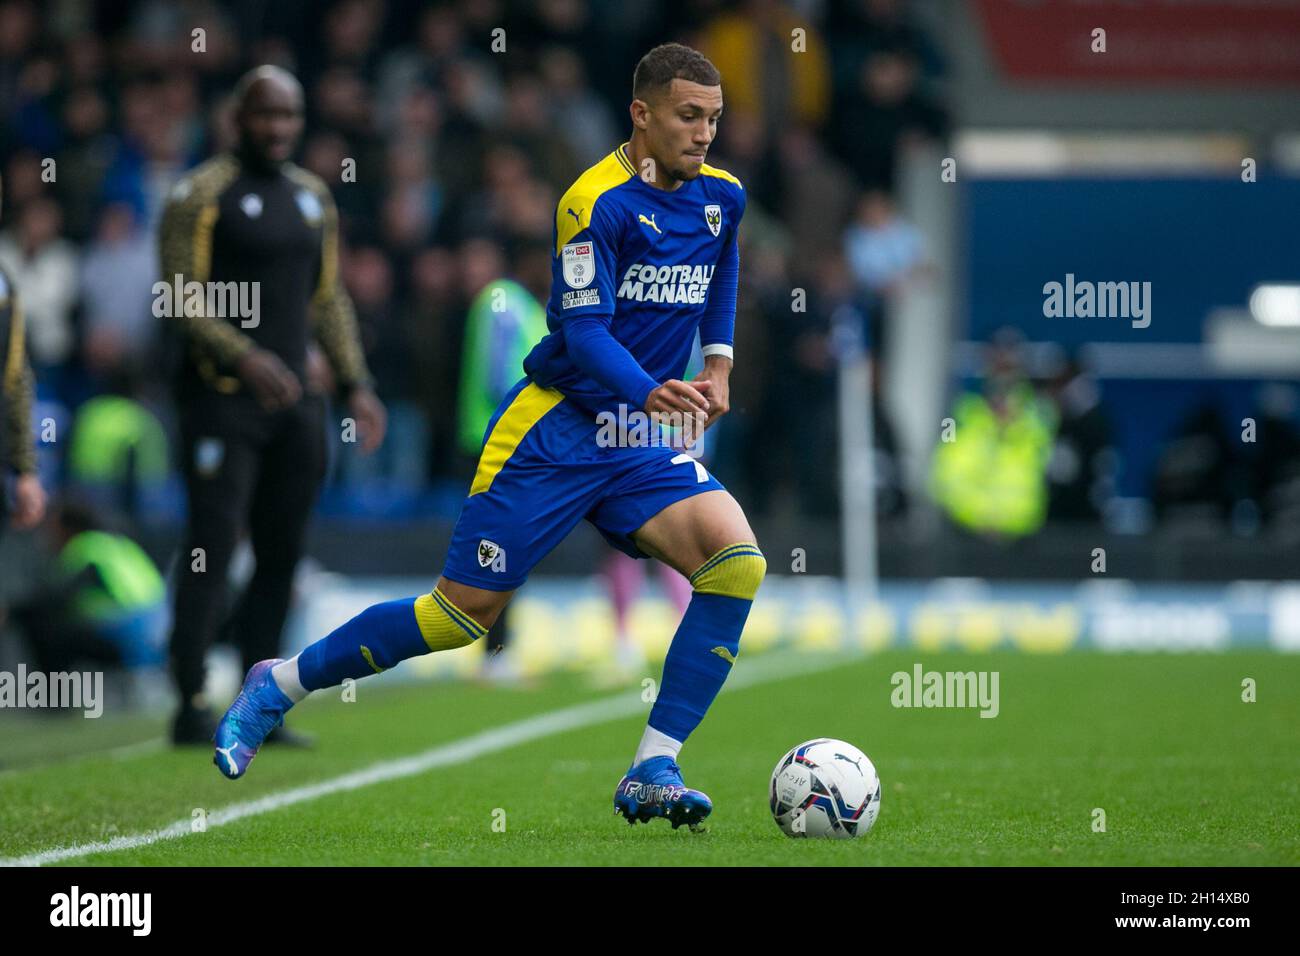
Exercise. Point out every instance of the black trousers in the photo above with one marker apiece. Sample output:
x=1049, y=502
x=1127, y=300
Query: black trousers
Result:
x=245, y=469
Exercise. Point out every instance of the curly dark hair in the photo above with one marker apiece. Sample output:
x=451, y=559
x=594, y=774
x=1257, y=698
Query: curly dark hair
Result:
x=668, y=62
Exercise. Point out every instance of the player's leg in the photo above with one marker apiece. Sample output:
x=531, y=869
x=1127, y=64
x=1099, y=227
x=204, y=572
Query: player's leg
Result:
x=380, y=637
x=707, y=538
x=383, y=635
x=518, y=508
x=667, y=506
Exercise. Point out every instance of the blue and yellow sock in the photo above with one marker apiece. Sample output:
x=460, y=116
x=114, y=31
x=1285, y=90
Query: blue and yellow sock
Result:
x=708, y=638
x=383, y=635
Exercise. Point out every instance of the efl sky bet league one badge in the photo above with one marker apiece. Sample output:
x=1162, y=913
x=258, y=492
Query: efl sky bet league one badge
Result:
x=252, y=205
x=713, y=216
x=309, y=206
x=579, y=264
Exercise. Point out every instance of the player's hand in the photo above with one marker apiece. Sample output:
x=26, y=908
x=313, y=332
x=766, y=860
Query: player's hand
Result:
x=677, y=401
x=371, y=417
x=29, y=502
x=675, y=395
x=269, y=379
x=715, y=382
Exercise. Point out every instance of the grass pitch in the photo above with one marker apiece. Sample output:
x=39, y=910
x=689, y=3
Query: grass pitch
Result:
x=1184, y=770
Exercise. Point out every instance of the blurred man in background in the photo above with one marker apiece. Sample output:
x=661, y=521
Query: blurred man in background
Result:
x=253, y=438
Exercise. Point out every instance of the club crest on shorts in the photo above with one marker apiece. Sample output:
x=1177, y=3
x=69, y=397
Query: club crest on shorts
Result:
x=579, y=263
x=713, y=216
x=491, y=555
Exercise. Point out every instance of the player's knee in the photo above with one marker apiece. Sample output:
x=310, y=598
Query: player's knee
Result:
x=735, y=571
x=443, y=625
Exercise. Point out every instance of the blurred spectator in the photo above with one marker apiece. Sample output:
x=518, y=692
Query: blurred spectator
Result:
x=117, y=279
x=398, y=466
x=119, y=457
x=433, y=309
x=881, y=113
x=103, y=601
x=1198, y=475
x=576, y=111
x=815, y=194
x=1081, y=472
x=1277, y=459
x=885, y=251
x=751, y=47
x=84, y=159
x=989, y=473
x=44, y=267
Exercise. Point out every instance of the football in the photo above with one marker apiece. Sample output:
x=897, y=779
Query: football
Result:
x=825, y=788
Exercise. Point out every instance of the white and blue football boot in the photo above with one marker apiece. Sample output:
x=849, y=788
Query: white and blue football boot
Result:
x=654, y=788
x=259, y=709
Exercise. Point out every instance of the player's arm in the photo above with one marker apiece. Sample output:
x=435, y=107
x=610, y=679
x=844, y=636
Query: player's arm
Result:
x=335, y=327
x=587, y=310
x=19, y=385
x=718, y=325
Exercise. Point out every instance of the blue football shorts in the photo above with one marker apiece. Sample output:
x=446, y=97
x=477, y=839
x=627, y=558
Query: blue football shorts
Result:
x=541, y=471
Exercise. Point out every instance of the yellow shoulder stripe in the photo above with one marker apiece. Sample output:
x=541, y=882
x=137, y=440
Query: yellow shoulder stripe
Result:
x=708, y=170
x=573, y=214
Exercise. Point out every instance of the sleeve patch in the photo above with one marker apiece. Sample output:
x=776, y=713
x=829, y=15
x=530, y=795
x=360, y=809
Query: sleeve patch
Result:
x=572, y=300
x=579, y=262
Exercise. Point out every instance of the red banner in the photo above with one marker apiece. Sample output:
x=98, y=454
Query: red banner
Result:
x=1219, y=42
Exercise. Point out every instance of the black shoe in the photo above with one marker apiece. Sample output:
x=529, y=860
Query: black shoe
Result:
x=193, y=725
x=285, y=737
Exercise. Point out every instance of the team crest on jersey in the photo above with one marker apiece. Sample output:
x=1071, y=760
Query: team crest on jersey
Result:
x=579, y=263
x=252, y=205
x=309, y=206
x=713, y=216
x=491, y=555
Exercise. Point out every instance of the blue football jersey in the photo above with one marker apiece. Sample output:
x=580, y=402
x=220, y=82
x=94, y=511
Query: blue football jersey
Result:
x=651, y=266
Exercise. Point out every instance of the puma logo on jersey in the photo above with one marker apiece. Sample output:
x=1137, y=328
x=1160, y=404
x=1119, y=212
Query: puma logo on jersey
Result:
x=649, y=222
x=725, y=654
x=577, y=216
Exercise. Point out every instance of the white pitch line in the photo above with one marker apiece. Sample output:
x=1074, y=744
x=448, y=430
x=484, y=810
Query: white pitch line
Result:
x=764, y=669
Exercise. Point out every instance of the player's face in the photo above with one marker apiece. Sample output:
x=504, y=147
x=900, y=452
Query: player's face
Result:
x=681, y=125
x=270, y=121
